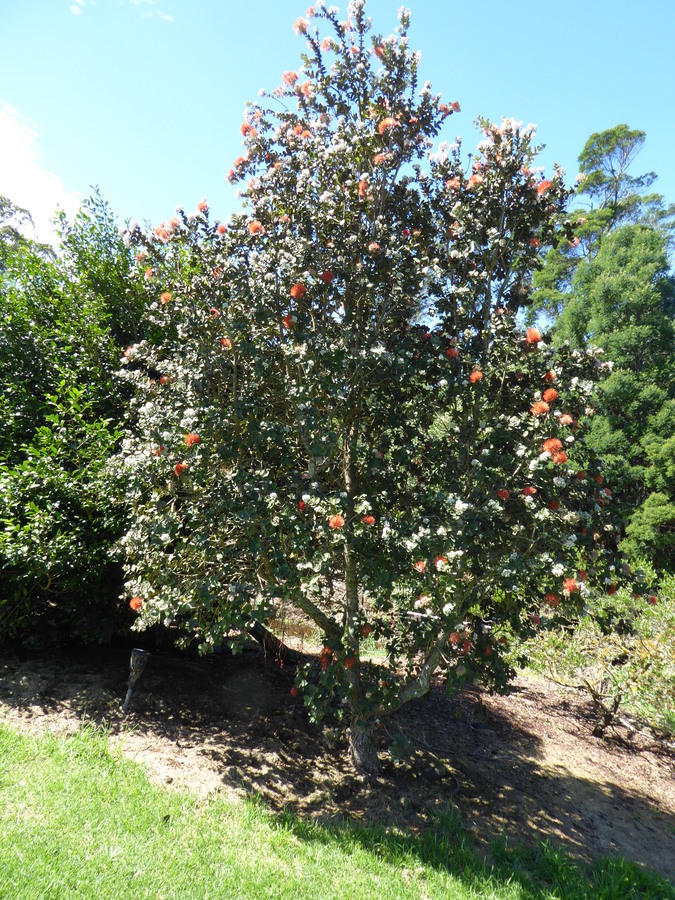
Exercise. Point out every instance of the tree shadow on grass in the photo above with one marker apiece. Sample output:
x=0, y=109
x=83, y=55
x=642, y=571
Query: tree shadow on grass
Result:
x=229, y=723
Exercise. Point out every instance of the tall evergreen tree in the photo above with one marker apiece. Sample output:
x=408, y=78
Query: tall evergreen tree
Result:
x=610, y=196
x=623, y=300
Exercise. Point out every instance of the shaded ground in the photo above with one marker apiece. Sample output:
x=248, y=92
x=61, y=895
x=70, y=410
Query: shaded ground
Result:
x=524, y=765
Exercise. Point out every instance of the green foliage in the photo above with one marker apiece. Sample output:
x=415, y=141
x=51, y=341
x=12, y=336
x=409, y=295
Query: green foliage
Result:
x=614, y=198
x=622, y=653
x=623, y=300
x=59, y=414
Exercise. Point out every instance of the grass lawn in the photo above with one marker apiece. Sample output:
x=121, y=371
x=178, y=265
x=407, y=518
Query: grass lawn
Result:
x=77, y=820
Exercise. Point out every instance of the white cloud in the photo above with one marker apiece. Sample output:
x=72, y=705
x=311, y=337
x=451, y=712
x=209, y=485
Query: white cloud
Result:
x=24, y=179
x=165, y=17
x=76, y=10
x=141, y=2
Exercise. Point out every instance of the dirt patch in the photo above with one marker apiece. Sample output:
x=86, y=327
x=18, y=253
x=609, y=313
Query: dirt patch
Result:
x=524, y=765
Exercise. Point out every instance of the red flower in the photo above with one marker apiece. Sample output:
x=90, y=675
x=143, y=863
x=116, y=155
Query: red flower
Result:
x=539, y=408
x=553, y=505
x=350, y=662
x=535, y=242
x=136, y=603
x=327, y=276
x=551, y=445
x=368, y=520
x=298, y=291
x=256, y=227
x=528, y=491
x=157, y=451
x=363, y=189
x=533, y=336
x=248, y=129
x=550, y=394
x=452, y=353
x=202, y=206
x=289, y=78
x=337, y=521
x=441, y=562
x=387, y=123
x=165, y=297
x=420, y=566
x=300, y=26
x=474, y=181
x=380, y=158
x=294, y=692
x=475, y=376
x=503, y=494
x=226, y=343
x=192, y=439
x=373, y=247
x=453, y=184
x=214, y=312
x=550, y=376
x=653, y=599
x=581, y=475
x=543, y=188
x=559, y=457
x=148, y=274
x=571, y=585
x=552, y=600
x=566, y=419
x=181, y=469
x=379, y=51
x=611, y=589
x=164, y=379
x=600, y=478
x=221, y=229
x=288, y=321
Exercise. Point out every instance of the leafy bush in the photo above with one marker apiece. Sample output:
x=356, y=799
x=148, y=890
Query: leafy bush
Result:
x=59, y=418
x=621, y=653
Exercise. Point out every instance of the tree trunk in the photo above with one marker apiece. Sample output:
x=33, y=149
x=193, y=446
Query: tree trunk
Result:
x=362, y=746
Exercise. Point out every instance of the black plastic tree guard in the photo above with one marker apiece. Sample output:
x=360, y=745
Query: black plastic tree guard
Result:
x=139, y=660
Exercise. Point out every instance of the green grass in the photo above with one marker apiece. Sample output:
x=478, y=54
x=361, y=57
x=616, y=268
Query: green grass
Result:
x=77, y=820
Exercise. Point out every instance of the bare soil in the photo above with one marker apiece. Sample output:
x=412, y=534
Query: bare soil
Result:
x=524, y=765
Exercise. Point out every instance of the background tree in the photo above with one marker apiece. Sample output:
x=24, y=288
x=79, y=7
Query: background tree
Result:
x=298, y=439
x=611, y=197
x=623, y=300
x=65, y=321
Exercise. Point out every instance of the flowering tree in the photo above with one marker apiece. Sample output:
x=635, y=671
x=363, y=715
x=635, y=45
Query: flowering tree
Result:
x=335, y=408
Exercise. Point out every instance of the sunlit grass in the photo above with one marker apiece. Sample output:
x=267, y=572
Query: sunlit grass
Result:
x=77, y=820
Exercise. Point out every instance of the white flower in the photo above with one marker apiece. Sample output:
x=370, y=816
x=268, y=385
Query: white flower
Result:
x=557, y=569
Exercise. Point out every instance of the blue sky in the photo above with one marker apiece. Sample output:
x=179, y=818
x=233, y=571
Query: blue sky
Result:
x=144, y=98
